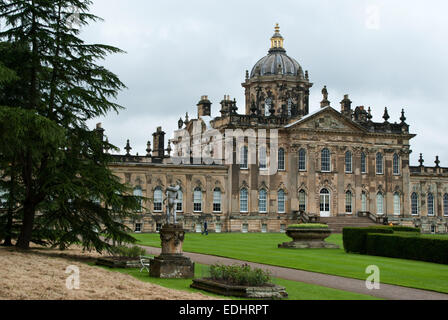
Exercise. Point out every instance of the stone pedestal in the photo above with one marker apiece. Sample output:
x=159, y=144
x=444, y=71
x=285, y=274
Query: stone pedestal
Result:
x=172, y=264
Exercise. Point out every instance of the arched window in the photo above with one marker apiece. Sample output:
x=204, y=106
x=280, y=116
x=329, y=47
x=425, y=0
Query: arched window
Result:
x=397, y=204
x=302, y=160
x=302, y=200
x=197, y=200
x=396, y=164
x=445, y=205
x=364, y=202
x=349, y=202
x=363, y=163
x=243, y=158
x=281, y=159
x=379, y=163
x=281, y=201
x=267, y=106
x=379, y=203
x=414, y=204
x=217, y=200
x=348, y=162
x=324, y=202
x=262, y=201
x=325, y=160
x=263, y=158
x=180, y=201
x=158, y=199
x=430, y=204
x=244, y=200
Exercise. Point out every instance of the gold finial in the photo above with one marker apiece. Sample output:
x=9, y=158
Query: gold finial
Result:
x=277, y=28
x=277, y=39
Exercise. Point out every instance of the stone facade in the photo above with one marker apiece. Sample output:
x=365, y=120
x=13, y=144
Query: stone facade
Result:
x=331, y=162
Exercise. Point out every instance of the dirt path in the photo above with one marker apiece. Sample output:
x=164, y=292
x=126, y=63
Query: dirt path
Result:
x=41, y=275
x=389, y=292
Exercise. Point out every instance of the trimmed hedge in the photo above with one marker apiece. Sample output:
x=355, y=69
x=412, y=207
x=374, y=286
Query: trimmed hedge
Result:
x=354, y=239
x=407, y=247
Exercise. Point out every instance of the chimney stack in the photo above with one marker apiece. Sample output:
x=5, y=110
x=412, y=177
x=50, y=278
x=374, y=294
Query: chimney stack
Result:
x=158, y=143
x=204, y=107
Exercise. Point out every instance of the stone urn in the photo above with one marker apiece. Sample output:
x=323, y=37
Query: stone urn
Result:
x=172, y=264
x=307, y=238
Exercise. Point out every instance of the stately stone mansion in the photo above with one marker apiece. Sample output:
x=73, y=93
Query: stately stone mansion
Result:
x=333, y=162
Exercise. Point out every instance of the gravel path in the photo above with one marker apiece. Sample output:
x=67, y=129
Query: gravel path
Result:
x=387, y=291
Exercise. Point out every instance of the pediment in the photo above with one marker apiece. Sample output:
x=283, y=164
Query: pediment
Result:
x=326, y=119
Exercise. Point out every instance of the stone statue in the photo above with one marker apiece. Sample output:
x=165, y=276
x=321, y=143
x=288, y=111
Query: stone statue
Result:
x=172, y=194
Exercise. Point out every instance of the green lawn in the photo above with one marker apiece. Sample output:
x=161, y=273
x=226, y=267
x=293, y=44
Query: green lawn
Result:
x=296, y=290
x=262, y=248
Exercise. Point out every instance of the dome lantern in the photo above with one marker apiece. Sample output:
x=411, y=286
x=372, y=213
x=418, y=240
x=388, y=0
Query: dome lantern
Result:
x=277, y=39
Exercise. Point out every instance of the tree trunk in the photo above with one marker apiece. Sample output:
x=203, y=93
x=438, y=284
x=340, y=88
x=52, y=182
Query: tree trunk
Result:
x=26, y=231
x=8, y=237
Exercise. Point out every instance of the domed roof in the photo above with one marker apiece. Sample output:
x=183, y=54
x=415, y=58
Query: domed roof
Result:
x=277, y=61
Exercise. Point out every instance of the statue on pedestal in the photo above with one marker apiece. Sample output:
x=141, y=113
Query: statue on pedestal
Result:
x=172, y=194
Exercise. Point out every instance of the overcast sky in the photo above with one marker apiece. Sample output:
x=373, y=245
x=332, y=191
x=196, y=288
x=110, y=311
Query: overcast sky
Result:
x=382, y=53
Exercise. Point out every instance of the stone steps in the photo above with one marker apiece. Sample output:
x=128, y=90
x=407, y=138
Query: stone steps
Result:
x=336, y=224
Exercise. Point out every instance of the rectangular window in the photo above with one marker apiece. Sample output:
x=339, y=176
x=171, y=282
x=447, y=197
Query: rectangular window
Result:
x=348, y=203
x=180, y=202
x=158, y=227
x=363, y=163
x=364, y=202
x=445, y=205
x=245, y=228
x=197, y=201
x=218, y=228
x=302, y=160
x=138, y=228
x=379, y=164
x=216, y=201
x=244, y=158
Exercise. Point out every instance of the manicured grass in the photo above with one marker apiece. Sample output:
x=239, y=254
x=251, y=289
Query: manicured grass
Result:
x=296, y=290
x=262, y=248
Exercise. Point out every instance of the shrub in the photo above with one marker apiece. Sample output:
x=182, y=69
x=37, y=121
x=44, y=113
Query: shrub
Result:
x=129, y=252
x=407, y=246
x=354, y=239
x=240, y=275
x=309, y=226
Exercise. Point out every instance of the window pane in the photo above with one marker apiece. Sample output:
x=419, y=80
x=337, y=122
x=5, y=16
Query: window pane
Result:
x=430, y=205
x=217, y=200
x=243, y=200
x=263, y=158
x=379, y=163
x=364, y=202
x=380, y=203
x=302, y=200
x=326, y=160
x=302, y=160
x=397, y=204
x=243, y=158
x=197, y=199
x=414, y=204
x=262, y=201
x=363, y=163
x=281, y=201
x=158, y=199
x=180, y=201
x=348, y=161
x=396, y=164
x=281, y=159
x=445, y=204
x=348, y=202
